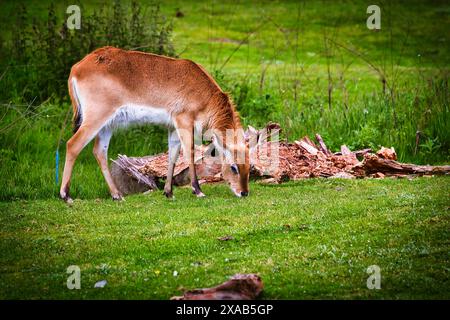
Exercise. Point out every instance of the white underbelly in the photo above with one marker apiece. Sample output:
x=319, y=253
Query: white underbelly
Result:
x=132, y=114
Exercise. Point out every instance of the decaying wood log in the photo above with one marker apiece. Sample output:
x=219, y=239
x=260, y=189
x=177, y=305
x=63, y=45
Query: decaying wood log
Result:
x=286, y=161
x=387, y=153
x=132, y=167
x=128, y=183
x=148, y=171
x=374, y=164
x=239, y=287
x=299, y=160
x=304, y=143
x=323, y=146
x=360, y=153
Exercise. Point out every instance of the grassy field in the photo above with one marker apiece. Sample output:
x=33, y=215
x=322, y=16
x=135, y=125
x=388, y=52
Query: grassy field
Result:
x=312, y=66
x=310, y=239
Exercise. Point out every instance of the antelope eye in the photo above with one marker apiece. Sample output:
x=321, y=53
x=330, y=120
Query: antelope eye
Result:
x=234, y=168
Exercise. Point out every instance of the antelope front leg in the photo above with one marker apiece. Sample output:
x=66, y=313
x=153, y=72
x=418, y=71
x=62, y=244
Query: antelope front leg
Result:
x=186, y=134
x=174, y=152
x=101, y=154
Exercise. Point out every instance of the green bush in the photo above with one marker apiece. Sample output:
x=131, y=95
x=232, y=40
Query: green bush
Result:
x=40, y=53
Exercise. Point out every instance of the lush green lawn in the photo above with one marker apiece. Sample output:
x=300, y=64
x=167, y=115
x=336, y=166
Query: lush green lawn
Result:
x=308, y=239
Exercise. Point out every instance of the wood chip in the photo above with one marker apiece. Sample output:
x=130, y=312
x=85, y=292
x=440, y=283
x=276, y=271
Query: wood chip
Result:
x=387, y=153
x=239, y=287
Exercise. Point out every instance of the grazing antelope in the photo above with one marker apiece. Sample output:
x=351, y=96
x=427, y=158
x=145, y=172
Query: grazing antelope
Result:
x=113, y=88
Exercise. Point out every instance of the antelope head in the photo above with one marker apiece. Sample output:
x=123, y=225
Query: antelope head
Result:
x=234, y=153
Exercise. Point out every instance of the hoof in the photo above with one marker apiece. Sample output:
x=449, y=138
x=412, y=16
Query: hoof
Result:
x=66, y=198
x=117, y=197
x=200, y=195
x=168, y=194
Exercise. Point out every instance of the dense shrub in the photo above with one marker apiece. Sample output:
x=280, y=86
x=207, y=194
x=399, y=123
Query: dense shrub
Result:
x=40, y=53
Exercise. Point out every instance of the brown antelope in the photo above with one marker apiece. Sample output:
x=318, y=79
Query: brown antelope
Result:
x=112, y=88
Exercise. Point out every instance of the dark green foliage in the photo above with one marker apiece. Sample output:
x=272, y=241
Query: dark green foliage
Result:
x=372, y=121
x=41, y=52
x=36, y=63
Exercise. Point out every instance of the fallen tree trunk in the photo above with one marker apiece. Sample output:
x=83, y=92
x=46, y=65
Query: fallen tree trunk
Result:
x=147, y=172
x=373, y=164
x=132, y=166
x=272, y=161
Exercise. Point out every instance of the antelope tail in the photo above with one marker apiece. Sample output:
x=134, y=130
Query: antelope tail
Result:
x=77, y=111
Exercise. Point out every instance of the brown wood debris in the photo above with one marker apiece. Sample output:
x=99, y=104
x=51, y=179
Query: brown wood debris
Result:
x=239, y=287
x=387, y=153
x=374, y=164
x=290, y=161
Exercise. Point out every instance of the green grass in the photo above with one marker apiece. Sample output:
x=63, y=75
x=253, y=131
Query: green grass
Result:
x=337, y=228
x=309, y=239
